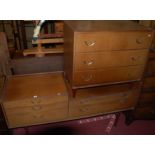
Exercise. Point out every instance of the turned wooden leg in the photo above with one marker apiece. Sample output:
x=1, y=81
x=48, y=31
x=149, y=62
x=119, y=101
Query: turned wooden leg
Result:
x=129, y=118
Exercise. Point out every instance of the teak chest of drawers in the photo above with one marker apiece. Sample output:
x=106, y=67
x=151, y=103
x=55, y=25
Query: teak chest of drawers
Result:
x=104, y=52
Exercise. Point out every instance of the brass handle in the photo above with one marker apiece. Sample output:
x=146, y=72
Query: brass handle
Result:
x=88, y=63
x=88, y=78
x=133, y=58
x=36, y=107
x=90, y=43
x=138, y=41
x=35, y=100
x=38, y=116
x=84, y=109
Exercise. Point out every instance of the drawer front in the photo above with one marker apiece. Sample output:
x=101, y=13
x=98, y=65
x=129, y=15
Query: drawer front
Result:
x=113, y=75
x=102, y=104
x=98, y=41
x=98, y=60
x=55, y=100
x=18, y=117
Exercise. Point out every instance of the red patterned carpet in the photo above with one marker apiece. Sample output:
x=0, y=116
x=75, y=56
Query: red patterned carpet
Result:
x=91, y=127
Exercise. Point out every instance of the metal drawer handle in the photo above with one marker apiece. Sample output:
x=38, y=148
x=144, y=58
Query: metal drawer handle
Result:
x=38, y=116
x=84, y=109
x=35, y=100
x=90, y=43
x=133, y=58
x=138, y=41
x=88, y=63
x=89, y=78
x=36, y=107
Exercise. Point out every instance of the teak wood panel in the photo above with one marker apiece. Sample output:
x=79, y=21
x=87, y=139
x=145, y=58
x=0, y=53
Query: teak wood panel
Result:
x=40, y=85
x=105, y=25
x=57, y=100
x=111, y=75
x=98, y=41
x=98, y=60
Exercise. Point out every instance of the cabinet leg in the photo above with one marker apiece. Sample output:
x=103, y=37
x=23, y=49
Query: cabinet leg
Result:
x=129, y=118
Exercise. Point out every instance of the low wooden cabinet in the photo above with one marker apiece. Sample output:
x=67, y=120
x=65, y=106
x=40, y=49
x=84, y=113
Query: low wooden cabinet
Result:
x=35, y=99
x=104, y=52
x=46, y=98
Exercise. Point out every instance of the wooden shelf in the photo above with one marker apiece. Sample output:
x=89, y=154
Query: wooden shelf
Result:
x=47, y=41
x=35, y=51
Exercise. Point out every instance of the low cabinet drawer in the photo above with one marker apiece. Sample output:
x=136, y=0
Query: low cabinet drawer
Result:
x=54, y=100
x=98, y=41
x=17, y=117
x=101, y=104
x=98, y=60
x=114, y=75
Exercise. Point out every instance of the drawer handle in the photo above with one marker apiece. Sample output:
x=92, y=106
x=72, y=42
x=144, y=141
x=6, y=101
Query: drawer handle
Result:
x=133, y=58
x=36, y=100
x=138, y=41
x=38, y=116
x=88, y=78
x=36, y=107
x=88, y=63
x=84, y=109
x=90, y=43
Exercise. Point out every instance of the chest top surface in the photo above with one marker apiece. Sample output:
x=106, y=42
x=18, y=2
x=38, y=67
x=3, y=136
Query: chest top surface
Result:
x=105, y=25
x=27, y=86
